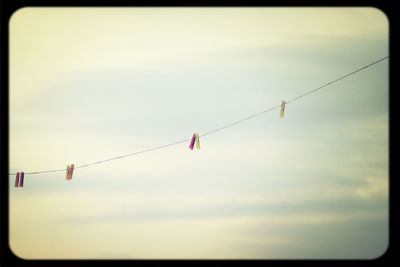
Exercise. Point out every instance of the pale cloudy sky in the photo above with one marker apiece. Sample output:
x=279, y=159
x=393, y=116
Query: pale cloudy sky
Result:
x=88, y=84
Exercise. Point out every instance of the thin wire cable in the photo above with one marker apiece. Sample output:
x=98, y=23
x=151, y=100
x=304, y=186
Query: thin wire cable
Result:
x=295, y=98
x=236, y=122
x=215, y=130
x=134, y=153
x=338, y=79
x=110, y=159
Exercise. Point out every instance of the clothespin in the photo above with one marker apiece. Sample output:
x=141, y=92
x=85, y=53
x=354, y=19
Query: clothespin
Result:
x=192, y=141
x=197, y=141
x=283, y=108
x=17, y=180
x=21, y=180
x=67, y=174
x=71, y=171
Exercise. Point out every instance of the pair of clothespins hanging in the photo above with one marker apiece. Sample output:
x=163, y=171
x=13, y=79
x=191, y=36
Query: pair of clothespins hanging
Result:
x=282, y=114
x=19, y=179
x=70, y=170
x=195, y=139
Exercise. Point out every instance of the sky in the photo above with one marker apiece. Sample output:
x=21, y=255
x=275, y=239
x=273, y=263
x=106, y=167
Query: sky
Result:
x=88, y=84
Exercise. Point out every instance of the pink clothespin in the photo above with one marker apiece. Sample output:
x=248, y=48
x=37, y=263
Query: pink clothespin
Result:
x=17, y=180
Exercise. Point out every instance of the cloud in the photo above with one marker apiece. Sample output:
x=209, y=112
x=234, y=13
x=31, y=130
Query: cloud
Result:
x=376, y=186
x=313, y=183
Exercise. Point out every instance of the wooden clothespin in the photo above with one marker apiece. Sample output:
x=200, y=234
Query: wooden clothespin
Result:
x=67, y=174
x=71, y=171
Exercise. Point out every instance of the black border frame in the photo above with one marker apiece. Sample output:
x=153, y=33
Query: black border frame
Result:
x=8, y=7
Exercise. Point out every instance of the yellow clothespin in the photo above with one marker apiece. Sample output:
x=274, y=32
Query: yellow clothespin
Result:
x=283, y=108
x=197, y=141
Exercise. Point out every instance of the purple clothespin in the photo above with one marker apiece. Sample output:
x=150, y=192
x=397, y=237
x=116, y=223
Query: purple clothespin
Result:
x=21, y=180
x=192, y=142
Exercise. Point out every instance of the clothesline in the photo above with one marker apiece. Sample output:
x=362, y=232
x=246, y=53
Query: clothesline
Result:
x=217, y=129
